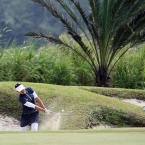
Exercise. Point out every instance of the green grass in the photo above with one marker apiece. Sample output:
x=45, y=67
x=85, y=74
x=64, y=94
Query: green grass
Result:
x=81, y=102
x=81, y=137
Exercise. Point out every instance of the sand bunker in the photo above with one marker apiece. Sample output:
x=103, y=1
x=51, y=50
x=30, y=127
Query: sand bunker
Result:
x=11, y=124
x=135, y=102
x=52, y=122
x=8, y=123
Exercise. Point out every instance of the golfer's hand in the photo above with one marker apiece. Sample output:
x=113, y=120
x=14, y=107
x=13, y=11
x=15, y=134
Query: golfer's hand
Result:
x=47, y=111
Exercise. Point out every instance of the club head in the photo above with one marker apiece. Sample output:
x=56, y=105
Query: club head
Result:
x=143, y=108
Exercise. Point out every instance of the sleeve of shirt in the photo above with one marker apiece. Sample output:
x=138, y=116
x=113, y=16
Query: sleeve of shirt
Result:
x=35, y=95
x=22, y=100
x=29, y=104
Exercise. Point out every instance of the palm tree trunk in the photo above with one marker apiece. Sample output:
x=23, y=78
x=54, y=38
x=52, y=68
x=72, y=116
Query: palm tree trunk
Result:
x=101, y=78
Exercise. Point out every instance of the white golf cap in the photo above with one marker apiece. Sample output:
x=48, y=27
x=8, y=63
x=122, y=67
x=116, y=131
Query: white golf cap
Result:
x=20, y=88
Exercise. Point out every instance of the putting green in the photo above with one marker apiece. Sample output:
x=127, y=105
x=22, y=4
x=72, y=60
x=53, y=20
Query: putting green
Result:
x=114, y=137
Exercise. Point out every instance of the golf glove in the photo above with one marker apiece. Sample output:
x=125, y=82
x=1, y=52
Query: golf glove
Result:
x=47, y=111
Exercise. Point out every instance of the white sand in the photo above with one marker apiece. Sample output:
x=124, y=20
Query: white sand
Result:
x=8, y=123
x=135, y=102
x=52, y=122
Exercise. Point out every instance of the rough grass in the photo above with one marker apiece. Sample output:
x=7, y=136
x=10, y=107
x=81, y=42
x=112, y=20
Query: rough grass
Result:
x=81, y=100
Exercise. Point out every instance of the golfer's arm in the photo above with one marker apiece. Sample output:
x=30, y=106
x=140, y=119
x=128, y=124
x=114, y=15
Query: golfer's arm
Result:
x=39, y=108
x=40, y=103
x=31, y=105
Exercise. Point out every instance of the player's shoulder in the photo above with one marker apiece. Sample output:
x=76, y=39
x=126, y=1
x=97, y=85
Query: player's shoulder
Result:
x=21, y=97
x=29, y=90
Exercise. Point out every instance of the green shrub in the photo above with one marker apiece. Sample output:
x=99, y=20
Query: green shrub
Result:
x=105, y=115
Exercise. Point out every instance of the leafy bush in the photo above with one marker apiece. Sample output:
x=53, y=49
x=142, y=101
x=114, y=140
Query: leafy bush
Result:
x=105, y=115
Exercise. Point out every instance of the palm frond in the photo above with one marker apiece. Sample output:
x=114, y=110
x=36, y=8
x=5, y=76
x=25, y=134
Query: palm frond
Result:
x=74, y=17
x=92, y=27
x=38, y=34
x=123, y=7
x=94, y=31
x=137, y=6
x=68, y=9
x=138, y=38
x=123, y=34
x=50, y=6
x=125, y=10
x=138, y=23
x=95, y=8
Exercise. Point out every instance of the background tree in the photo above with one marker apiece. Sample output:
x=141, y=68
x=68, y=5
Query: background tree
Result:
x=25, y=15
x=107, y=31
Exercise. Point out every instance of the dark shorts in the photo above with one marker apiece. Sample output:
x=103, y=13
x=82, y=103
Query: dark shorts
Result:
x=28, y=119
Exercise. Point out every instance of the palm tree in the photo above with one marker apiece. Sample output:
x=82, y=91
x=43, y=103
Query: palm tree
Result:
x=110, y=28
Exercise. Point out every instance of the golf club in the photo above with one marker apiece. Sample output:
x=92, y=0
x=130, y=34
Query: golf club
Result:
x=143, y=108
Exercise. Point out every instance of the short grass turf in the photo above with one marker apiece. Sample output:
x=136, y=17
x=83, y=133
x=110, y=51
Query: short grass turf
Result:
x=83, y=137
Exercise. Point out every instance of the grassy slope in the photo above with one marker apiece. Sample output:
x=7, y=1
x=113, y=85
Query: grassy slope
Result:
x=78, y=99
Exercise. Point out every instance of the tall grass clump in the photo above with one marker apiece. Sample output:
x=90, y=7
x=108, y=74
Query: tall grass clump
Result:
x=55, y=67
x=130, y=72
x=17, y=64
x=48, y=64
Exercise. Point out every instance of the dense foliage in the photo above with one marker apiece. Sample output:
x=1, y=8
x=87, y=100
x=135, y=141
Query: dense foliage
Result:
x=45, y=65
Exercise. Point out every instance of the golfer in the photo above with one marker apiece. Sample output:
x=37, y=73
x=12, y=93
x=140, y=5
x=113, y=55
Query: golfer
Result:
x=30, y=113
